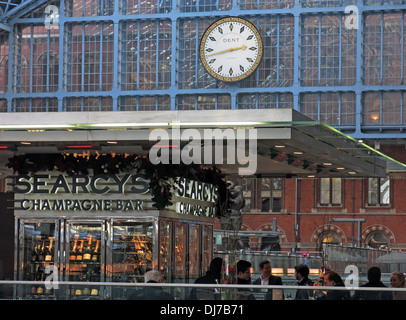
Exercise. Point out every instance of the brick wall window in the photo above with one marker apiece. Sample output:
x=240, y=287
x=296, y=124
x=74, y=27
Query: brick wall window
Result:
x=263, y=194
x=330, y=192
x=378, y=190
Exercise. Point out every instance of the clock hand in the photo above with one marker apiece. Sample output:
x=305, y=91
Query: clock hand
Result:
x=243, y=47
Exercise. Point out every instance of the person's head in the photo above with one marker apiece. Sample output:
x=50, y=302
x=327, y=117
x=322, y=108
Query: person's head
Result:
x=332, y=279
x=153, y=276
x=243, y=270
x=215, y=265
x=301, y=271
x=397, y=279
x=374, y=274
x=265, y=268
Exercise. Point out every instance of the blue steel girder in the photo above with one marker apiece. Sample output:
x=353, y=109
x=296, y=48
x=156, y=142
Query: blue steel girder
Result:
x=15, y=9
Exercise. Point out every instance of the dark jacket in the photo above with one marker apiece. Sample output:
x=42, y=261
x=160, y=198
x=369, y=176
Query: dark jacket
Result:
x=304, y=294
x=151, y=293
x=336, y=294
x=213, y=276
x=206, y=293
x=244, y=293
x=273, y=281
x=373, y=295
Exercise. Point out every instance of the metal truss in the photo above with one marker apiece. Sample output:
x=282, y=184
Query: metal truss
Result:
x=14, y=9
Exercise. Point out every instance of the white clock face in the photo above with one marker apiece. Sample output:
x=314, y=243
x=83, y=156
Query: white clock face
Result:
x=231, y=49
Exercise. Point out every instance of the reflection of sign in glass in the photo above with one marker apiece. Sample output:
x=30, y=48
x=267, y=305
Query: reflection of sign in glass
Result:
x=194, y=197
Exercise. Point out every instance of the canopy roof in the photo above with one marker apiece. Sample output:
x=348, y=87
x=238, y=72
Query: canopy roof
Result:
x=288, y=144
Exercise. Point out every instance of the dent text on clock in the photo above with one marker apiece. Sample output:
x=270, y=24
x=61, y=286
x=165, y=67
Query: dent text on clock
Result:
x=231, y=40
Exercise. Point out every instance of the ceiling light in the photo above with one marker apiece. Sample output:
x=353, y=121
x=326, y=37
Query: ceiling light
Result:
x=327, y=164
x=280, y=146
x=112, y=142
x=352, y=172
x=297, y=152
x=340, y=168
x=25, y=142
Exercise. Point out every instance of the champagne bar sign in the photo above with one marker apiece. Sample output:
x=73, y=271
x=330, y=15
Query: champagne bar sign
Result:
x=44, y=192
x=127, y=192
x=194, y=197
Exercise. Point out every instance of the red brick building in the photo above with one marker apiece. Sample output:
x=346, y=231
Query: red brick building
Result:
x=303, y=209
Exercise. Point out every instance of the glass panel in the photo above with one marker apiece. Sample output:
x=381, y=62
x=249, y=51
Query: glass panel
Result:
x=3, y=63
x=207, y=246
x=266, y=4
x=85, y=258
x=81, y=8
x=132, y=250
x=91, y=65
x=276, y=194
x=330, y=108
x=326, y=3
x=194, y=253
x=165, y=243
x=309, y=105
x=142, y=68
x=385, y=190
x=277, y=66
x=336, y=191
x=145, y=7
x=328, y=51
x=373, y=191
x=3, y=105
x=204, y=5
x=391, y=108
x=180, y=252
x=325, y=190
x=35, y=105
x=38, y=251
x=372, y=108
x=265, y=194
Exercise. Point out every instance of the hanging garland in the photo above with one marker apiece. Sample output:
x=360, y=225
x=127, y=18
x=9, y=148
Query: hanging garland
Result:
x=159, y=176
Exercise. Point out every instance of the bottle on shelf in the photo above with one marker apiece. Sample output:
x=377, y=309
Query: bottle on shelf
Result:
x=41, y=253
x=88, y=251
x=72, y=253
x=49, y=252
x=96, y=252
x=34, y=254
x=79, y=252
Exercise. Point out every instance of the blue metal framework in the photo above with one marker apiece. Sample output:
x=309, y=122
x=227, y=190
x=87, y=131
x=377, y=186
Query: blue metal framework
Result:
x=337, y=61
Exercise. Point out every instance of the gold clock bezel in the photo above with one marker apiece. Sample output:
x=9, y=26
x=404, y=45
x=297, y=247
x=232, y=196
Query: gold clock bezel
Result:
x=204, y=39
